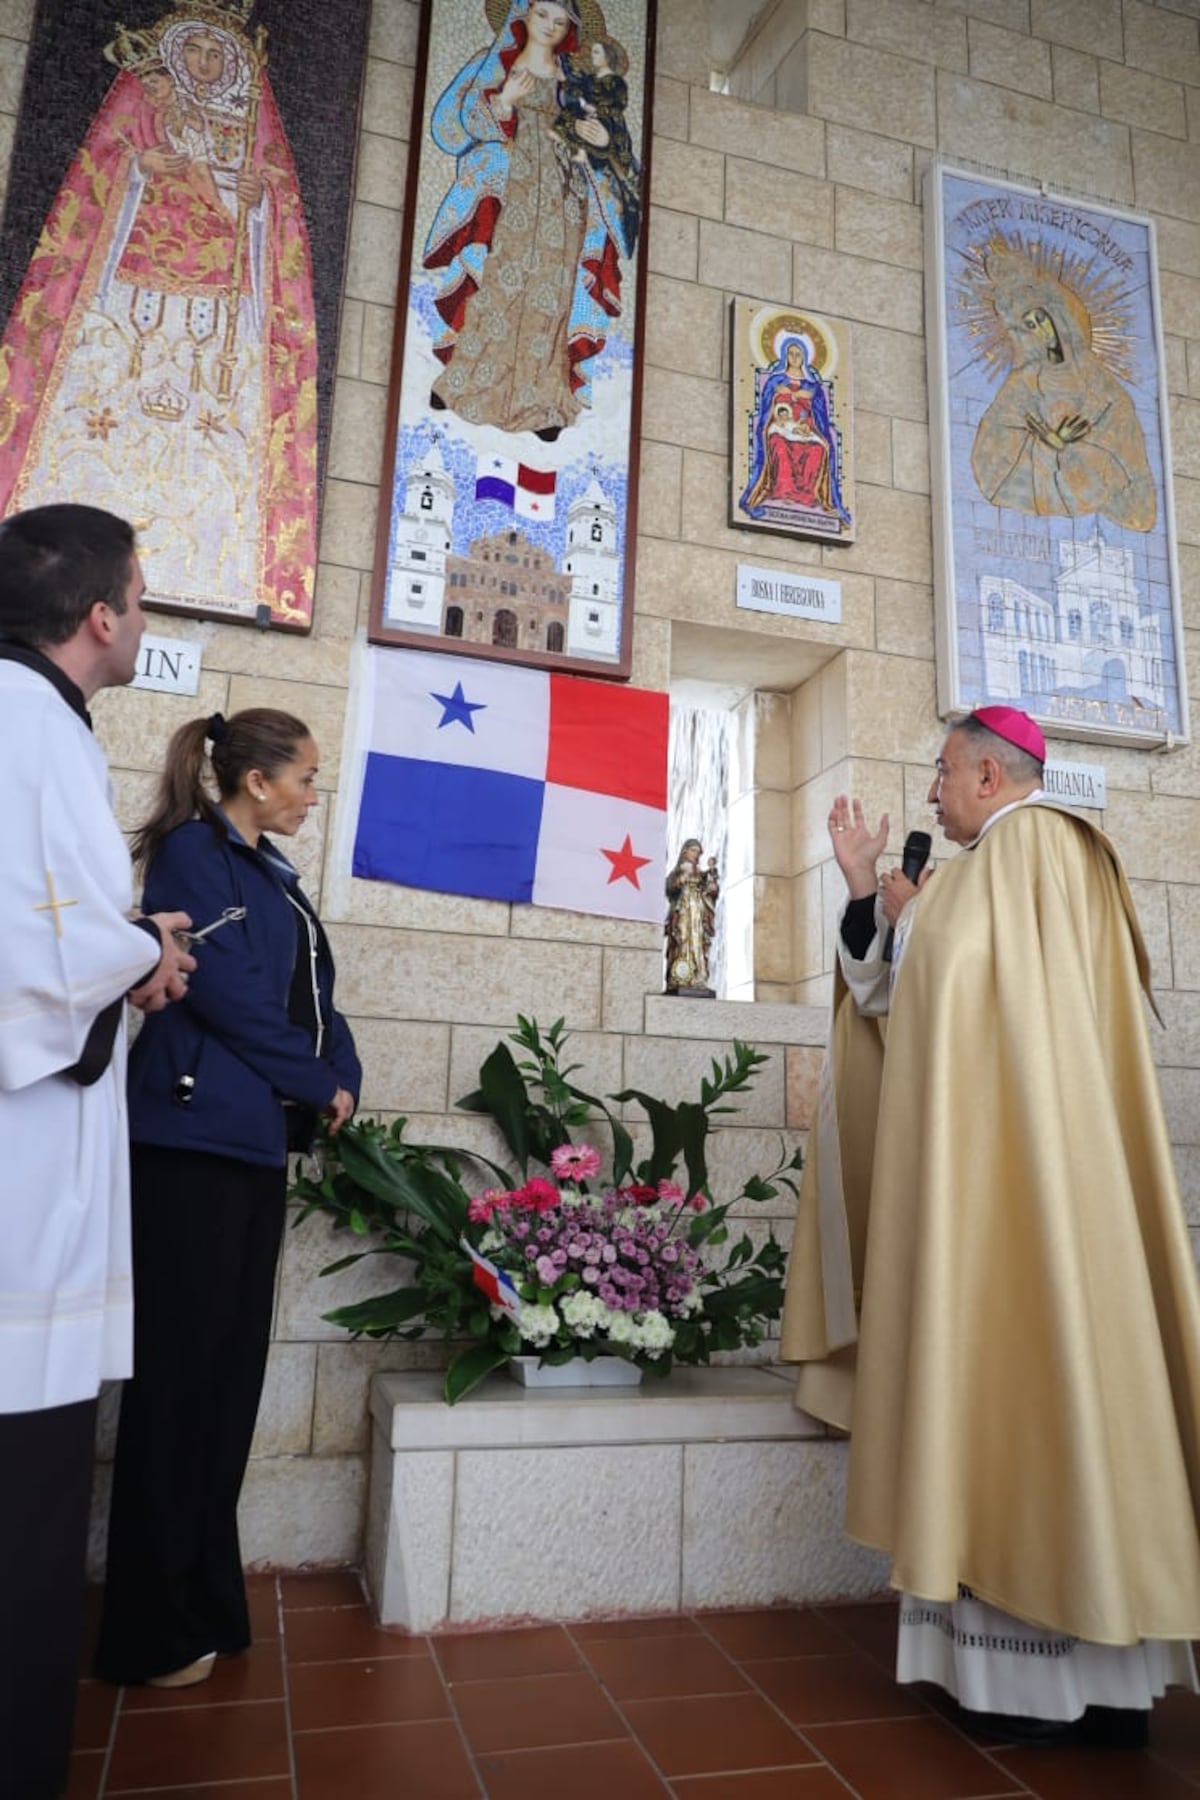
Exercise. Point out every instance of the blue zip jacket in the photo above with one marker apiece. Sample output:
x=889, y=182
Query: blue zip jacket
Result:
x=230, y=1045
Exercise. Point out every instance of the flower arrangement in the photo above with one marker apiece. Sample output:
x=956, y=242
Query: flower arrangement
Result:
x=565, y=1264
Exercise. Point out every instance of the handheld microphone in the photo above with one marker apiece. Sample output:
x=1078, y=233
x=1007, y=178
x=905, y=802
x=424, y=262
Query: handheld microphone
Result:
x=917, y=846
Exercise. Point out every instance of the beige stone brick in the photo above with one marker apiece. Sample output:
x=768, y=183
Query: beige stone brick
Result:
x=322, y=709
x=828, y=16
x=629, y=975
x=685, y=409
x=373, y=257
x=1187, y=509
x=788, y=204
x=133, y=724
x=889, y=372
x=772, y=930
x=835, y=715
x=284, y=1424
x=1180, y=296
x=1189, y=583
x=904, y=618
x=1185, y=437
x=910, y=28
x=420, y=975
x=1092, y=25
x=673, y=244
x=1178, y=244
x=746, y=262
x=651, y=655
x=672, y=1069
x=342, y=1405
x=383, y=903
x=395, y=26
x=810, y=943
x=286, y=655
x=348, y=521
x=1159, y=839
x=879, y=785
x=12, y=74
x=1162, y=42
x=1166, y=176
x=302, y=1510
x=855, y=84
x=1013, y=15
x=1151, y=903
x=660, y=479
x=387, y=99
x=350, y=327
x=1193, y=368
x=1140, y=99
x=404, y=1065
x=873, y=448
x=686, y=179
x=1076, y=78
x=335, y=603
x=556, y=925
x=891, y=706
x=772, y=833
x=1184, y=912
x=599, y=1056
x=861, y=159
x=806, y=758
x=910, y=456
x=671, y=108
x=875, y=292
x=785, y=141
x=379, y=324
x=686, y=326
x=8, y=126
x=1010, y=59
x=803, y=1083
x=1017, y=132
x=16, y=19
x=357, y=433
x=682, y=48
x=380, y=171
x=771, y=719
x=894, y=536
x=885, y=230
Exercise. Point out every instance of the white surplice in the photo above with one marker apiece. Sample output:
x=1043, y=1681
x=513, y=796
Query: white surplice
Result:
x=67, y=950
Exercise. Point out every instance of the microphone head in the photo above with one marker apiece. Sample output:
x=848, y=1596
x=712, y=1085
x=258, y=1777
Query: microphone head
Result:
x=917, y=846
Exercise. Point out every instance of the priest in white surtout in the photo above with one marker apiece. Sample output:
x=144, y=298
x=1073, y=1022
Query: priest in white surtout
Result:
x=70, y=624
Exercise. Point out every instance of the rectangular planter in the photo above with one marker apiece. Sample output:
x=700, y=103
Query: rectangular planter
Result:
x=601, y=1371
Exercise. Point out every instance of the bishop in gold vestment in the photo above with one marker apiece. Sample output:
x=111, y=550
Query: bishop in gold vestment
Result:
x=1022, y=1379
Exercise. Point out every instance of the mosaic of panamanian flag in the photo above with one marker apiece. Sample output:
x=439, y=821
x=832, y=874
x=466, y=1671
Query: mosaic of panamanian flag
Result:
x=513, y=784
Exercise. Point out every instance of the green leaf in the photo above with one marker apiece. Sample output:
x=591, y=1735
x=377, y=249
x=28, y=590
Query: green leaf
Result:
x=382, y=1313
x=506, y=1098
x=470, y=1367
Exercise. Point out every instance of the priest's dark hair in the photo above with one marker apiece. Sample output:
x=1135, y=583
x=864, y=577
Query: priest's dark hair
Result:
x=259, y=738
x=56, y=562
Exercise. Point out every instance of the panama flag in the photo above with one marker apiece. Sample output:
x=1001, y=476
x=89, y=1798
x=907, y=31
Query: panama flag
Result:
x=513, y=784
x=530, y=492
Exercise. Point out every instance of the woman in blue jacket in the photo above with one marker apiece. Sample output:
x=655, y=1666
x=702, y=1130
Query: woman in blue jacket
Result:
x=221, y=1088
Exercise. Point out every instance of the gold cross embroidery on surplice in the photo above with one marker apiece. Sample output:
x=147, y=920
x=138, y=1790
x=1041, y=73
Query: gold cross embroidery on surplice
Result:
x=54, y=904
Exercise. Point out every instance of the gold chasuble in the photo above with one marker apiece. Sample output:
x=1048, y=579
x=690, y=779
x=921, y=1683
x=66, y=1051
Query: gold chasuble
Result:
x=1026, y=1412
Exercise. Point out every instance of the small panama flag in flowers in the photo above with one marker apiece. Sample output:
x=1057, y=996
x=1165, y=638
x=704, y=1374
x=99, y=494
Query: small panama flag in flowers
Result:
x=498, y=1287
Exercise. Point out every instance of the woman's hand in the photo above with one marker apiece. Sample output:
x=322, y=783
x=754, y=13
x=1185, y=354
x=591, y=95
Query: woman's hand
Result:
x=856, y=849
x=518, y=87
x=339, y=1110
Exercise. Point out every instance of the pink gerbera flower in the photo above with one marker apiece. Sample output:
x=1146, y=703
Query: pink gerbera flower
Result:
x=574, y=1162
x=540, y=1194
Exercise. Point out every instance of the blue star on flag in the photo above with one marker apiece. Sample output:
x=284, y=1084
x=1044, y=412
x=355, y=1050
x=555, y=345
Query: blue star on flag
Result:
x=457, y=709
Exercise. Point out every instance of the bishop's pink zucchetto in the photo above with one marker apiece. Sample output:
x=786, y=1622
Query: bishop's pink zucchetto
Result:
x=1014, y=727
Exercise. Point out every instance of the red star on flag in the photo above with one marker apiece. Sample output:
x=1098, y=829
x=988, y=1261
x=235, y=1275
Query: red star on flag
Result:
x=625, y=864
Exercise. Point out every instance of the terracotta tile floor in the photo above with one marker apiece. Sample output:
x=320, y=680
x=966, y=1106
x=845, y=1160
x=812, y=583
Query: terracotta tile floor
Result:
x=779, y=1705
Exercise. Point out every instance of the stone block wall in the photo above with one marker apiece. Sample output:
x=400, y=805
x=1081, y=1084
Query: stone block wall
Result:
x=820, y=205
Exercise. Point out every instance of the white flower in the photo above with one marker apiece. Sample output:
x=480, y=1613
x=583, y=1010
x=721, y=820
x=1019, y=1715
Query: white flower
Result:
x=537, y=1324
x=583, y=1313
x=654, y=1333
